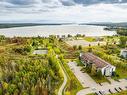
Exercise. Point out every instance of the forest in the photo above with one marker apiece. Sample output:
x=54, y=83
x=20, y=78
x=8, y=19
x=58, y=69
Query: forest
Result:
x=23, y=73
x=122, y=31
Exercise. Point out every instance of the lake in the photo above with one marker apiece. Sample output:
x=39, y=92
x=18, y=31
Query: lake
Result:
x=34, y=31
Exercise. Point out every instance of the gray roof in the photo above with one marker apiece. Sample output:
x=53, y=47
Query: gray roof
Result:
x=99, y=63
x=40, y=52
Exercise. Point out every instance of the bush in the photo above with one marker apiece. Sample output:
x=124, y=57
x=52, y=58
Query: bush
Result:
x=80, y=47
x=74, y=47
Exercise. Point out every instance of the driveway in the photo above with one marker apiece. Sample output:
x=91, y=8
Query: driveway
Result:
x=87, y=81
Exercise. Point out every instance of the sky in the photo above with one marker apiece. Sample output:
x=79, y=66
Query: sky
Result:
x=51, y=11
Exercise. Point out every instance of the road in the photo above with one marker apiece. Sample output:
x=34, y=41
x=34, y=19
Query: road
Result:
x=60, y=92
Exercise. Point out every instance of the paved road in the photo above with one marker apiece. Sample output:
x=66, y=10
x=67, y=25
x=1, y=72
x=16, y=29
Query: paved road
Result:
x=93, y=87
x=64, y=82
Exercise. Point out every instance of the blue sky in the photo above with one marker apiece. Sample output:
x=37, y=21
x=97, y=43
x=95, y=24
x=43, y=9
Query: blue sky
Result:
x=63, y=11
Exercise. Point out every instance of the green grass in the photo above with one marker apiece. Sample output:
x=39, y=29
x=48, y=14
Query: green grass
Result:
x=91, y=94
x=79, y=63
x=121, y=73
x=90, y=39
x=73, y=85
x=99, y=80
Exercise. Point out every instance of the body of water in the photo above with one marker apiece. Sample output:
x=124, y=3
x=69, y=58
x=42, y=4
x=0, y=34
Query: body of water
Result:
x=34, y=31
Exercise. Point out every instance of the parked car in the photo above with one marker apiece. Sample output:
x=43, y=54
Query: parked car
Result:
x=103, y=92
x=116, y=90
x=120, y=88
x=110, y=91
x=100, y=92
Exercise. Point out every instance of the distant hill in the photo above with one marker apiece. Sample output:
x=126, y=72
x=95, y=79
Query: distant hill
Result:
x=108, y=24
x=10, y=25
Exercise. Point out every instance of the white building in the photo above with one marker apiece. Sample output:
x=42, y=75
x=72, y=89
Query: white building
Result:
x=40, y=52
x=123, y=53
x=97, y=63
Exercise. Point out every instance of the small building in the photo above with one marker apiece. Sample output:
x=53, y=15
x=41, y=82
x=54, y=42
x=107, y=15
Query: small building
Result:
x=123, y=53
x=40, y=52
x=90, y=59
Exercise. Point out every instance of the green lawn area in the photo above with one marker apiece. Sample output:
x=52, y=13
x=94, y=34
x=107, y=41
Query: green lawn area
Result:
x=91, y=94
x=111, y=39
x=121, y=73
x=79, y=63
x=99, y=80
x=90, y=39
x=73, y=85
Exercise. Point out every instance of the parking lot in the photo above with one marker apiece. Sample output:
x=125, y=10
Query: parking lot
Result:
x=83, y=43
x=92, y=86
x=84, y=78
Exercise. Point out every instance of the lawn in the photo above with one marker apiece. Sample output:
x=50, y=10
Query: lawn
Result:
x=79, y=63
x=90, y=39
x=121, y=73
x=99, y=80
x=91, y=94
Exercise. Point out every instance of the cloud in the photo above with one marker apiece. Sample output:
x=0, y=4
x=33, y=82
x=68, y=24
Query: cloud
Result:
x=63, y=10
x=67, y=2
x=20, y=2
x=90, y=2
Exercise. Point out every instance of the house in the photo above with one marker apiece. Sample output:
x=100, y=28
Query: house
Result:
x=90, y=59
x=123, y=53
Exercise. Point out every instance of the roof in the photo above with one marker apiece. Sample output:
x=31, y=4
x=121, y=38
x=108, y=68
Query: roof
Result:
x=124, y=50
x=94, y=59
x=40, y=52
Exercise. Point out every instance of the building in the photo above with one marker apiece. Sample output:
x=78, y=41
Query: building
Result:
x=123, y=53
x=40, y=52
x=89, y=59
